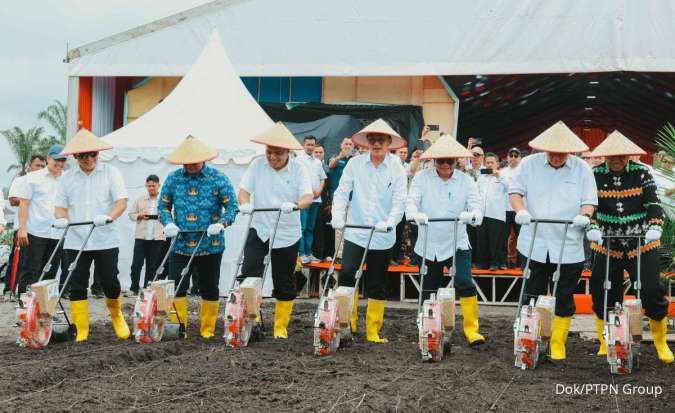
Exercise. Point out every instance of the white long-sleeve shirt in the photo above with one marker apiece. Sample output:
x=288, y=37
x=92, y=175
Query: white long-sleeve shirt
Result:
x=507, y=173
x=378, y=194
x=551, y=193
x=494, y=194
x=442, y=199
x=2, y=212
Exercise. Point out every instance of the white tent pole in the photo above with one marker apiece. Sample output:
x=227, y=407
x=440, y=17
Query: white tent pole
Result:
x=72, y=105
x=455, y=99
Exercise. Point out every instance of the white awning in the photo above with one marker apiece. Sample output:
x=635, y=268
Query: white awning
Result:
x=380, y=37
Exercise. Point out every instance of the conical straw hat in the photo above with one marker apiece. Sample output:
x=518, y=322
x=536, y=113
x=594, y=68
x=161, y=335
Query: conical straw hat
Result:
x=446, y=147
x=84, y=141
x=379, y=126
x=278, y=136
x=191, y=150
x=616, y=144
x=558, y=138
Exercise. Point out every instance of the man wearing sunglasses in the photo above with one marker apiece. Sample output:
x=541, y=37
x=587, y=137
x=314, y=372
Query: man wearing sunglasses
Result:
x=507, y=173
x=446, y=192
x=377, y=183
x=92, y=191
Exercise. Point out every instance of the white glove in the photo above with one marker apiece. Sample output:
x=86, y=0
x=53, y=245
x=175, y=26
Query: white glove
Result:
x=171, y=230
x=60, y=223
x=246, y=209
x=594, y=235
x=652, y=234
x=477, y=218
x=337, y=222
x=581, y=221
x=383, y=226
x=523, y=217
x=101, y=220
x=287, y=207
x=215, y=229
x=465, y=217
x=420, y=218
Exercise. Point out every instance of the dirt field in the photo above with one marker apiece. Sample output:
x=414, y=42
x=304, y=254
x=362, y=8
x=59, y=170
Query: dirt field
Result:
x=198, y=375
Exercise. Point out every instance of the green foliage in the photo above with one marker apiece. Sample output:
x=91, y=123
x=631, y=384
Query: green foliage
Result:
x=56, y=116
x=24, y=143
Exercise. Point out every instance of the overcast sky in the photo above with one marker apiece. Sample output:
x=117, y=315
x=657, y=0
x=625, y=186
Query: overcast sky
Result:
x=34, y=35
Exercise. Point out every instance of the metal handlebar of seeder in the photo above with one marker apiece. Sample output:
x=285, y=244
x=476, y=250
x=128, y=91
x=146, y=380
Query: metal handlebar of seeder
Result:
x=423, y=266
x=608, y=285
x=331, y=267
x=526, y=270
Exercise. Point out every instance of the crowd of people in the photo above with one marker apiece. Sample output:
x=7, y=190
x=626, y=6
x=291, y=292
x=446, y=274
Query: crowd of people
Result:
x=371, y=182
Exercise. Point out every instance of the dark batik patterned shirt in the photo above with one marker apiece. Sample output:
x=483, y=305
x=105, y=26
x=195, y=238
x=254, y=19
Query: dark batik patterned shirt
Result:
x=194, y=203
x=627, y=205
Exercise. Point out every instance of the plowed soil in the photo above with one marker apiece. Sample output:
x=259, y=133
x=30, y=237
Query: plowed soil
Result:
x=197, y=375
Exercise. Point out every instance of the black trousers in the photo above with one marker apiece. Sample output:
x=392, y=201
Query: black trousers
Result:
x=145, y=251
x=374, y=279
x=541, y=275
x=396, y=250
x=653, y=292
x=37, y=253
x=209, y=274
x=283, y=265
x=472, y=233
x=105, y=262
x=511, y=223
x=323, y=235
x=435, y=278
x=491, y=242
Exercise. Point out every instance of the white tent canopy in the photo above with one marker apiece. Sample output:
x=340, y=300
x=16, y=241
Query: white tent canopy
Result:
x=210, y=103
x=387, y=38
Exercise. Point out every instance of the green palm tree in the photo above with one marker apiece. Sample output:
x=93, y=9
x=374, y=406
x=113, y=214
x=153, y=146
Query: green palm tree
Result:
x=24, y=144
x=55, y=116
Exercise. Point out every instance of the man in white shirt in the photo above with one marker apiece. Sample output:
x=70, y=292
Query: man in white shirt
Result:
x=491, y=240
x=665, y=185
x=92, y=191
x=149, y=237
x=36, y=215
x=277, y=180
x=446, y=192
x=3, y=223
x=377, y=184
x=514, y=157
x=36, y=163
x=554, y=185
x=309, y=215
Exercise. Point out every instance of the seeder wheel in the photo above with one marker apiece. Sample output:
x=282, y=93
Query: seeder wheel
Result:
x=238, y=324
x=326, y=327
x=35, y=328
x=149, y=324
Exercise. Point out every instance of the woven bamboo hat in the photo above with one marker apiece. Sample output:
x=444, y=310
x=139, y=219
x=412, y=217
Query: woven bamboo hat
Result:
x=191, y=150
x=446, y=147
x=558, y=138
x=84, y=141
x=616, y=144
x=379, y=126
x=278, y=136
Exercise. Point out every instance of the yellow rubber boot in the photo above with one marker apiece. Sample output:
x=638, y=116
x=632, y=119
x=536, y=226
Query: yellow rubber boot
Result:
x=79, y=311
x=374, y=319
x=469, y=307
x=208, y=315
x=282, y=315
x=180, y=305
x=599, y=328
x=118, y=322
x=659, y=329
x=355, y=314
x=559, y=331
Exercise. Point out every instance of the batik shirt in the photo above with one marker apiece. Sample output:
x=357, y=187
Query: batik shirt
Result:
x=195, y=202
x=627, y=205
